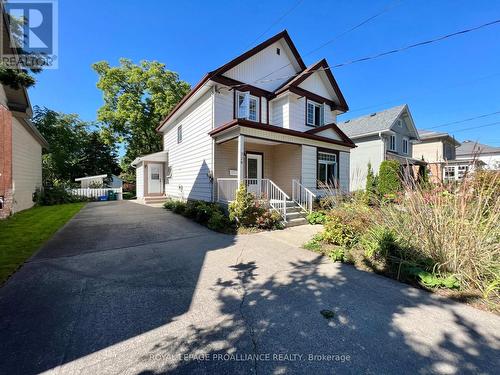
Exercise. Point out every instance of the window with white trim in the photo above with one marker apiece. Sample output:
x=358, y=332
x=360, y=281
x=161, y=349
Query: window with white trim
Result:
x=405, y=145
x=314, y=115
x=179, y=134
x=247, y=106
x=327, y=168
x=392, y=143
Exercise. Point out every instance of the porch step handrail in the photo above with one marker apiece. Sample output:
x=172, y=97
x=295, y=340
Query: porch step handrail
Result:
x=263, y=188
x=302, y=196
x=277, y=199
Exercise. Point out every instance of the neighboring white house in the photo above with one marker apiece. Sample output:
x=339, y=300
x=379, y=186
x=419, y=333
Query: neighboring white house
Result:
x=380, y=136
x=263, y=119
x=20, y=147
x=489, y=155
x=101, y=180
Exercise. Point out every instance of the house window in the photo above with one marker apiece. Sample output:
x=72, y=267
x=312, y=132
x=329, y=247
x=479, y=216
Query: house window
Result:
x=314, y=116
x=179, y=134
x=405, y=145
x=247, y=106
x=392, y=143
x=400, y=123
x=327, y=168
x=449, y=173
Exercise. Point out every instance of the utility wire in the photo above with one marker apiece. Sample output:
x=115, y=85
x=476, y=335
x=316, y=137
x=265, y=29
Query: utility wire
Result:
x=276, y=22
x=426, y=42
x=477, y=127
x=386, y=9
x=464, y=120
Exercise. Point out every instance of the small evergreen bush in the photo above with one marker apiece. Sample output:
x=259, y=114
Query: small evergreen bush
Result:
x=389, y=181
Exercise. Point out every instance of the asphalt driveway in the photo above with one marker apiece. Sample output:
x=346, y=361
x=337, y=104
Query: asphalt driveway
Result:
x=129, y=289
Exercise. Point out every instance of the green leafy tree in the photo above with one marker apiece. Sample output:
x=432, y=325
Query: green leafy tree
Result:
x=18, y=77
x=389, y=180
x=74, y=150
x=136, y=98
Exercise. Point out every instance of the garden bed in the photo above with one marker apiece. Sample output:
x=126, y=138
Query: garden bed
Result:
x=441, y=238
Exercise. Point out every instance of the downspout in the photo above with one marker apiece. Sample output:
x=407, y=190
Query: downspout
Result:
x=383, y=145
x=214, y=91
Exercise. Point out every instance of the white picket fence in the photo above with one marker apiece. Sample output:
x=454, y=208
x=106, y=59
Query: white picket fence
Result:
x=96, y=193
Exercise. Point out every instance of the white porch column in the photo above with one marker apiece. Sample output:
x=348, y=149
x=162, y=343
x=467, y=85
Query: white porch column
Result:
x=241, y=159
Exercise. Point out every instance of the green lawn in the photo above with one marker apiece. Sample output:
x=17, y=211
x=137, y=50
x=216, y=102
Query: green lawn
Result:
x=23, y=233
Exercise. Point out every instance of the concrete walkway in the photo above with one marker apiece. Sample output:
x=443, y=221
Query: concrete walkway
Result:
x=130, y=289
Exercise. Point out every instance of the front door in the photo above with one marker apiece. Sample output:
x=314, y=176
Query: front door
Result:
x=155, y=178
x=254, y=174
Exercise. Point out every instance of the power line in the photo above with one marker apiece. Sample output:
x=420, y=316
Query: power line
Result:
x=477, y=127
x=438, y=39
x=426, y=42
x=464, y=120
x=276, y=22
x=386, y=9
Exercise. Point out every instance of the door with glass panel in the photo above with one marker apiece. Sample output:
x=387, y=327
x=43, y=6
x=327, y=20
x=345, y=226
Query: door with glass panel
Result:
x=254, y=174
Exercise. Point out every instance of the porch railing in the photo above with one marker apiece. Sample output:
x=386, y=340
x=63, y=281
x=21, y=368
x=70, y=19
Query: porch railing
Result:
x=302, y=196
x=262, y=188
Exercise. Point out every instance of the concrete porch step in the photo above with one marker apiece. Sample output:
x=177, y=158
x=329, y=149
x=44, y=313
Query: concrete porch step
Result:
x=296, y=222
x=151, y=200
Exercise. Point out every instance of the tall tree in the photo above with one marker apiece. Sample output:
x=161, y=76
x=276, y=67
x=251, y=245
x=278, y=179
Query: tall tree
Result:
x=136, y=98
x=74, y=151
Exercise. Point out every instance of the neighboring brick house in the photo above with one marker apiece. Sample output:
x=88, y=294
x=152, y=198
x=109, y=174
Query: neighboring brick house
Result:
x=20, y=152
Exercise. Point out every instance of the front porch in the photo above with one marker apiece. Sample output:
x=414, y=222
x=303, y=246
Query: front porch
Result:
x=270, y=170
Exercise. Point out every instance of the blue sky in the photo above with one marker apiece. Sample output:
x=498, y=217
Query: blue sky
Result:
x=448, y=81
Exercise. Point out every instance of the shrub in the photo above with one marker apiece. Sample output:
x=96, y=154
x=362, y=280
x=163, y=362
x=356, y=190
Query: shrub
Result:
x=169, y=204
x=389, y=181
x=378, y=242
x=316, y=217
x=269, y=220
x=457, y=227
x=178, y=207
x=243, y=209
x=220, y=222
x=52, y=195
x=337, y=254
x=338, y=233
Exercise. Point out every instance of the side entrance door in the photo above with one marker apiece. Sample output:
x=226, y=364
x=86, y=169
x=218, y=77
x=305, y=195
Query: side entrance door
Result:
x=155, y=178
x=254, y=174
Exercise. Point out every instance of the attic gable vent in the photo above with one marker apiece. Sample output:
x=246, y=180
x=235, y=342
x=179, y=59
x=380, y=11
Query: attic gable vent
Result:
x=278, y=51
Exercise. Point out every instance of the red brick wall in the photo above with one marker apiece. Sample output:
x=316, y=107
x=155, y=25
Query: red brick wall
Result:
x=6, y=161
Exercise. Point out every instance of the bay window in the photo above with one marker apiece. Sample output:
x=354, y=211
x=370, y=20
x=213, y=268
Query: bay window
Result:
x=247, y=106
x=327, y=168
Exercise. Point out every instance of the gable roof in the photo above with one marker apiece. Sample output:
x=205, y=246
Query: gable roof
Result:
x=334, y=127
x=231, y=64
x=472, y=148
x=427, y=135
x=321, y=65
x=375, y=122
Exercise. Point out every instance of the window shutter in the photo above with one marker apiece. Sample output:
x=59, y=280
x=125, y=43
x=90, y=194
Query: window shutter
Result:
x=322, y=115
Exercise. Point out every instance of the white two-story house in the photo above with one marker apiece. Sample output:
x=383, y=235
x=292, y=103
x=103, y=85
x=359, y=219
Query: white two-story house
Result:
x=263, y=119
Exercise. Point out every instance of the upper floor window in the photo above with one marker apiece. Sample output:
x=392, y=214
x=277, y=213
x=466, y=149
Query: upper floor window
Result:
x=405, y=145
x=247, y=106
x=400, y=123
x=179, y=134
x=314, y=116
x=392, y=143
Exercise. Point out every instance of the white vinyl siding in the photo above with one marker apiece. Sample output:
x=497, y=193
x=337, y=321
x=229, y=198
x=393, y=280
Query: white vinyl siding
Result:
x=223, y=107
x=265, y=62
x=344, y=165
x=280, y=112
x=318, y=85
x=367, y=151
x=405, y=142
x=309, y=167
x=139, y=180
x=26, y=166
x=190, y=161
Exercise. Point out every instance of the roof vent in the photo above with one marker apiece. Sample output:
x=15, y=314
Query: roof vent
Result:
x=373, y=114
x=278, y=51
x=347, y=121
